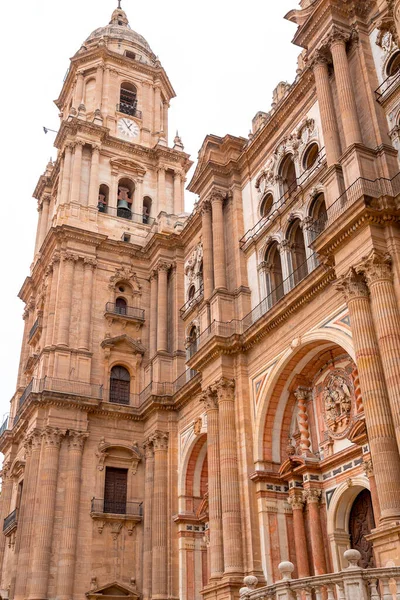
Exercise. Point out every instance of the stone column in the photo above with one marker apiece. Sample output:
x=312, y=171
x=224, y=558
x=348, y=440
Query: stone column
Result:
x=99, y=86
x=177, y=193
x=147, y=520
x=65, y=298
x=69, y=535
x=159, y=584
x=369, y=471
x=302, y=394
x=157, y=109
x=26, y=521
x=77, y=172
x=44, y=219
x=153, y=312
x=300, y=540
x=208, y=268
x=138, y=200
x=94, y=178
x=216, y=546
x=44, y=520
x=347, y=102
x=378, y=418
x=66, y=180
x=161, y=189
x=327, y=109
x=55, y=263
x=313, y=497
x=377, y=270
x=6, y=492
x=162, y=314
x=89, y=265
x=78, y=93
x=113, y=190
x=217, y=201
x=230, y=495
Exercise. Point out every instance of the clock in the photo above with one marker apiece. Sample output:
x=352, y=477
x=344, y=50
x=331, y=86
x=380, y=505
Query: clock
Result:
x=128, y=128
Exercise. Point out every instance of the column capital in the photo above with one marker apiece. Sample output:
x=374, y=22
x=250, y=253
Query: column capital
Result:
x=76, y=439
x=312, y=495
x=55, y=259
x=148, y=448
x=159, y=440
x=319, y=59
x=284, y=246
x=153, y=274
x=216, y=196
x=90, y=262
x=225, y=389
x=209, y=398
x=53, y=436
x=376, y=267
x=205, y=207
x=96, y=148
x=352, y=285
x=296, y=500
x=78, y=144
x=70, y=257
x=163, y=266
x=336, y=36
x=33, y=441
x=302, y=393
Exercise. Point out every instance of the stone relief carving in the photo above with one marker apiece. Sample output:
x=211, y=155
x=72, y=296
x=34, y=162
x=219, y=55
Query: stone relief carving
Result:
x=337, y=397
x=126, y=274
x=193, y=269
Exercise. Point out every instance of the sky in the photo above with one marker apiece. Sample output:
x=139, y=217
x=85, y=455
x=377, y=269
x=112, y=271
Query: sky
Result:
x=223, y=58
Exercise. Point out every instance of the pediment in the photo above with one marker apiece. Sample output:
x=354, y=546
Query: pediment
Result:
x=113, y=590
x=123, y=342
x=127, y=166
x=290, y=464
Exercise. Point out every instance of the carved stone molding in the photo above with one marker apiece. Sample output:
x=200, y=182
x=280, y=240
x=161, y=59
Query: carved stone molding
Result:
x=205, y=207
x=148, y=449
x=33, y=441
x=296, y=501
x=128, y=275
x=376, y=267
x=209, y=398
x=90, y=262
x=53, y=436
x=163, y=266
x=352, y=286
x=160, y=440
x=76, y=440
x=217, y=196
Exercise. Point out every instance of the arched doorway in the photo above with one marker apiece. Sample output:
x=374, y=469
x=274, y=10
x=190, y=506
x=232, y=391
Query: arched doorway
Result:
x=361, y=523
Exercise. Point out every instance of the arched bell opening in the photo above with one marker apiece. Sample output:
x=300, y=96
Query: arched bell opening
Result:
x=103, y=199
x=147, y=202
x=298, y=254
x=128, y=99
x=126, y=189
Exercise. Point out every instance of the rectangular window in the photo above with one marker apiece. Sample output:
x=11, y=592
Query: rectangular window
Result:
x=115, y=490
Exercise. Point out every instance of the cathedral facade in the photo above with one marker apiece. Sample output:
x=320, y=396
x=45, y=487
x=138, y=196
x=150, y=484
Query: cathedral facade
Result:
x=214, y=397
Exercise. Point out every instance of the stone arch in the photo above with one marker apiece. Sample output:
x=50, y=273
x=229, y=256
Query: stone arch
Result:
x=194, y=445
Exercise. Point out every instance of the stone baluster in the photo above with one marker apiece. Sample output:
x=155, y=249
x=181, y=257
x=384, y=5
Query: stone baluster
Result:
x=89, y=264
x=148, y=511
x=153, y=312
x=69, y=535
x=313, y=496
x=33, y=445
x=216, y=548
x=66, y=180
x=44, y=520
x=230, y=494
x=6, y=492
x=64, y=304
x=162, y=315
x=300, y=539
x=345, y=88
x=302, y=394
x=207, y=234
x=378, y=418
x=77, y=172
x=159, y=584
x=377, y=270
x=218, y=232
x=327, y=109
x=94, y=178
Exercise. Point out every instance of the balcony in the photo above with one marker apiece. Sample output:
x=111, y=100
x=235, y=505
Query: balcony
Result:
x=36, y=330
x=387, y=88
x=125, y=312
x=10, y=522
x=5, y=425
x=127, y=108
x=125, y=213
x=166, y=389
x=192, y=302
x=130, y=509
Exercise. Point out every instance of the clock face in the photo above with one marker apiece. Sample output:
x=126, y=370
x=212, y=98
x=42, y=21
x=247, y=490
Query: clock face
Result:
x=128, y=128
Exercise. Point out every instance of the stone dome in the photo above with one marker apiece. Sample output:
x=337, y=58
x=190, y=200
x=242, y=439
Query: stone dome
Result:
x=118, y=28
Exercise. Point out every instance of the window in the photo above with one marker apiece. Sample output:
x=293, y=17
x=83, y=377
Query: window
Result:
x=393, y=65
x=131, y=55
x=266, y=205
x=191, y=292
x=128, y=99
x=297, y=251
x=287, y=172
x=120, y=306
x=103, y=198
x=274, y=274
x=146, y=209
x=126, y=190
x=120, y=382
x=115, y=490
x=319, y=215
x=310, y=156
x=192, y=341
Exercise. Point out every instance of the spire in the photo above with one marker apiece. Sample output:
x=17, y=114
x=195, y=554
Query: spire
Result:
x=178, y=142
x=119, y=16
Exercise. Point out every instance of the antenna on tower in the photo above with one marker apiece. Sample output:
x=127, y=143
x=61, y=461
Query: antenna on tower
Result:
x=119, y=3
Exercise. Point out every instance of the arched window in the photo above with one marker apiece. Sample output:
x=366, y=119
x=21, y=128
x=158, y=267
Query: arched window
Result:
x=192, y=341
x=103, y=198
x=126, y=189
x=319, y=215
x=200, y=276
x=146, y=209
x=120, y=306
x=266, y=205
x=120, y=381
x=310, y=156
x=287, y=173
x=128, y=99
x=191, y=292
x=274, y=274
x=393, y=65
x=297, y=251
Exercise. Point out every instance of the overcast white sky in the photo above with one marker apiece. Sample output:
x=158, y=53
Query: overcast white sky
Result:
x=223, y=57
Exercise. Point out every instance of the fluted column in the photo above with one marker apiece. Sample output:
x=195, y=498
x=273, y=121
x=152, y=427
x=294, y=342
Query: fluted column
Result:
x=153, y=312
x=230, y=496
x=347, y=102
x=161, y=189
x=147, y=519
x=159, y=586
x=208, y=261
x=377, y=270
x=99, y=86
x=94, y=177
x=89, y=265
x=300, y=539
x=378, y=418
x=162, y=314
x=78, y=94
x=24, y=348
x=44, y=220
x=302, y=394
x=6, y=492
x=216, y=546
x=369, y=471
x=65, y=298
x=69, y=535
x=77, y=172
x=313, y=497
x=33, y=446
x=217, y=202
x=44, y=521
x=327, y=110
x=55, y=264
x=66, y=180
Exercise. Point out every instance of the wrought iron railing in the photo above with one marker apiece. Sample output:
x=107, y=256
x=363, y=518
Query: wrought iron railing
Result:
x=5, y=425
x=105, y=506
x=168, y=389
x=129, y=312
x=387, y=87
x=126, y=213
x=198, y=296
x=10, y=521
x=26, y=393
x=286, y=200
x=127, y=109
x=37, y=324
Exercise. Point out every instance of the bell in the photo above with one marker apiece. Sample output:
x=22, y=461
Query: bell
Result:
x=123, y=204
